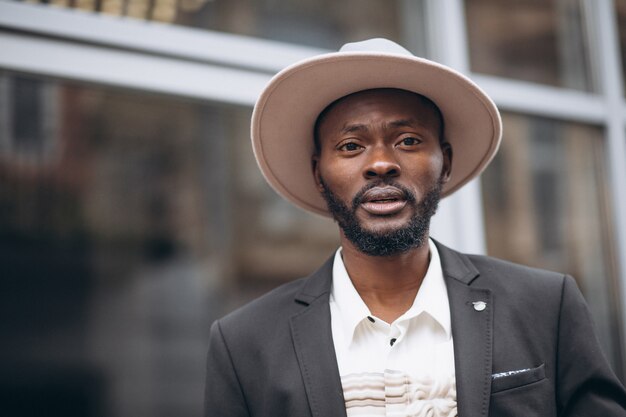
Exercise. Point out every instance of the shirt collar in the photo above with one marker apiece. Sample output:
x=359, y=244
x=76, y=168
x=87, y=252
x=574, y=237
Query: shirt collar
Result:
x=432, y=297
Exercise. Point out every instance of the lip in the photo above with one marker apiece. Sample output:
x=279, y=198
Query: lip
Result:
x=383, y=201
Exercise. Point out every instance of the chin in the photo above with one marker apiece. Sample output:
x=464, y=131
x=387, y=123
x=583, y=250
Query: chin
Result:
x=373, y=221
x=384, y=225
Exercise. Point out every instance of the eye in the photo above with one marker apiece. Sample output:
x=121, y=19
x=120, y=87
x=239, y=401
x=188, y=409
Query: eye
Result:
x=350, y=147
x=410, y=141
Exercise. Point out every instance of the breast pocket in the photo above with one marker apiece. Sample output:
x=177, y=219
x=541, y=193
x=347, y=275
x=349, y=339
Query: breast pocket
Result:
x=513, y=379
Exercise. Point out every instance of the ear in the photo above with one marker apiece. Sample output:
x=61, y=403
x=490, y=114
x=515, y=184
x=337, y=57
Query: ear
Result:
x=315, y=166
x=446, y=171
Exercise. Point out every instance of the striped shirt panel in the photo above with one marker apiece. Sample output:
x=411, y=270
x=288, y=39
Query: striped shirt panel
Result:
x=395, y=394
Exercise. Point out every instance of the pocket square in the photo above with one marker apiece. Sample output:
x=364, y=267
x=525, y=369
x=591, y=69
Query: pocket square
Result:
x=502, y=381
x=509, y=373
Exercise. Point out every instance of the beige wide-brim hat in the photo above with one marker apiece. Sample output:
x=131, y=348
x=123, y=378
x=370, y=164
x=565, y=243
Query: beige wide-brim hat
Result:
x=285, y=113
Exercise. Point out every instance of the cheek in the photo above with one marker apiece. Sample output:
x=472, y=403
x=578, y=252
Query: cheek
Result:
x=437, y=166
x=425, y=169
x=340, y=177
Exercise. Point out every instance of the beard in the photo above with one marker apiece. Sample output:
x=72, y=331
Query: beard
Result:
x=412, y=235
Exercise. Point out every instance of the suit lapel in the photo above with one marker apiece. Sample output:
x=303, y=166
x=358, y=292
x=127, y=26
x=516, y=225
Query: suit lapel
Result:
x=313, y=343
x=472, y=330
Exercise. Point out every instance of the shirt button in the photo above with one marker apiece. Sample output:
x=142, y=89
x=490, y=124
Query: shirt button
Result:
x=392, y=341
x=371, y=319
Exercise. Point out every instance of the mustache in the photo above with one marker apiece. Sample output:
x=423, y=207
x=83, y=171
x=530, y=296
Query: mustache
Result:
x=406, y=193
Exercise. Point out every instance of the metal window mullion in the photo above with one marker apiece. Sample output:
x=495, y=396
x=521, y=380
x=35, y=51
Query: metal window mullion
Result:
x=104, y=66
x=460, y=220
x=173, y=41
x=611, y=86
x=544, y=101
x=447, y=33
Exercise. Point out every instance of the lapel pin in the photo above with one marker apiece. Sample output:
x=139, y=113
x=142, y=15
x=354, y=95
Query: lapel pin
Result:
x=479, y=305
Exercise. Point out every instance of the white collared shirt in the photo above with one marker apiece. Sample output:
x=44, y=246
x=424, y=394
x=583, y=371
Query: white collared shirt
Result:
x=405, y=368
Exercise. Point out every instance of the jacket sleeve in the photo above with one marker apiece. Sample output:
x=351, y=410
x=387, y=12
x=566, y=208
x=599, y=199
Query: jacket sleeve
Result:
x=223, y=394
x=586, y=385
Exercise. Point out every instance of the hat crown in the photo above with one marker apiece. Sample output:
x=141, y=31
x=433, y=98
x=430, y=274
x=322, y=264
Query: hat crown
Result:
x=375, y=45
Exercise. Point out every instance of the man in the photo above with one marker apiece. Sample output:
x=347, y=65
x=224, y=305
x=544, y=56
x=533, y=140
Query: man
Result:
x=394, y=323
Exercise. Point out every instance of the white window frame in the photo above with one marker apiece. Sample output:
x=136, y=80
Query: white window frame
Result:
x=607, y=108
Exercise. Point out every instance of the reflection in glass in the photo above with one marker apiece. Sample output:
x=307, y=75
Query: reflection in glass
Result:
x=546, y=203
x=540, y=41
x=129, y=222
x=320, y=23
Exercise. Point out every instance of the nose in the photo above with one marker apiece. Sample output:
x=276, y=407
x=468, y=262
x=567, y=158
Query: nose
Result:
x=381, y=164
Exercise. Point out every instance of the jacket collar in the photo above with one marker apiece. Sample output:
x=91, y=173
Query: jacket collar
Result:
x=472, y=331
x=318, y=284
x=313, y=343
x=456, y=265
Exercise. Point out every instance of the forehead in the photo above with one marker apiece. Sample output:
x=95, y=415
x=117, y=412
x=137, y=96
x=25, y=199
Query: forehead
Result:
x=381, y=103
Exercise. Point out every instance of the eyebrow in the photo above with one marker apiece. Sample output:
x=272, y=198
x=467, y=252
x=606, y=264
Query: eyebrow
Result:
x=354, y=128
x=403, y=123
x=357, y=127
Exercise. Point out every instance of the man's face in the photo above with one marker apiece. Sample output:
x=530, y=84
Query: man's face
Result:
x=381, y=167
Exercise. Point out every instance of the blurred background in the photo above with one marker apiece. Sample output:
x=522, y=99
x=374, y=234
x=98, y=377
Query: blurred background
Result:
x=132, y=213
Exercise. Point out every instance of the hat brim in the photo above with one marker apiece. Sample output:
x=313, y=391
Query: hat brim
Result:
x=284, y=116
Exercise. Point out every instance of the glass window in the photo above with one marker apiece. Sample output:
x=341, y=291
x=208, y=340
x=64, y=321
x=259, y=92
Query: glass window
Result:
x=319, y=23
x=620, y=8
x=546, y=202
x=130, y=221
x=540, y=41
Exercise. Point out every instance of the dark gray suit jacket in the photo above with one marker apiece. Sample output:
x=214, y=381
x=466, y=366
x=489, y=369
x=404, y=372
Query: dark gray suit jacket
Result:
x=275, y=356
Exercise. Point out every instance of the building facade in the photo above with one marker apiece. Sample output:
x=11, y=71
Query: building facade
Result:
x=132, y=213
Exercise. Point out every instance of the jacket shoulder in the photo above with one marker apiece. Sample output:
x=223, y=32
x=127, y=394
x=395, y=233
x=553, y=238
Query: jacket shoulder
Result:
x=481, y=269
x=510, y=270
x=273, y=305
x=521, y=286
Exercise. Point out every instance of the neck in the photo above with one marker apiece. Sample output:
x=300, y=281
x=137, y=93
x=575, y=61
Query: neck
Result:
x=387, y=284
